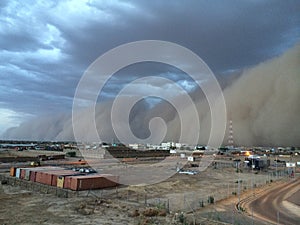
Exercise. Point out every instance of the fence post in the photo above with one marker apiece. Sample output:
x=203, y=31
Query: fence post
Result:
x=228, y=190
x=183, y=208
x=168, y=206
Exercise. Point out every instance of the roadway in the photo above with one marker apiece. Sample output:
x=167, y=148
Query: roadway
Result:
x=273, y=206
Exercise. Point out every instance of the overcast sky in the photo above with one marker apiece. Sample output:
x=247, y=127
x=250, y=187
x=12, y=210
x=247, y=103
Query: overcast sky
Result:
x=45, y=46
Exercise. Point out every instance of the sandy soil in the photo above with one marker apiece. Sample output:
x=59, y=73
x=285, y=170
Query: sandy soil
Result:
x=25, y=207
x=164, y=201
x=128, y=205
x=32, y=153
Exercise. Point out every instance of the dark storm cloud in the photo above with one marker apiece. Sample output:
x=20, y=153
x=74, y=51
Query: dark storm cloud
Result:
x=45, y=47
x=226, y=35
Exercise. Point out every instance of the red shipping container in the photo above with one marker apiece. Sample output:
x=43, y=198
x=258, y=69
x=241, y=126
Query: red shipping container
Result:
x=27, y=174
x=46, y=168
x=38, y=177
x=67, y=182
x=39, y=174
x=32, y=176
x=93, y=182
x=22, y=174
x=43, y=178
x=57, y=173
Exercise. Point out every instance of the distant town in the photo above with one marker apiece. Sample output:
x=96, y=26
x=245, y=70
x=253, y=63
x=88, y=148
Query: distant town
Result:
x=63, y=145
x=258, y=157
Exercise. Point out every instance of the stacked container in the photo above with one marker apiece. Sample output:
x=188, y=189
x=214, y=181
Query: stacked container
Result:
x=63, y=178
x=37, y=174
x=87, y=182
x=59, y=175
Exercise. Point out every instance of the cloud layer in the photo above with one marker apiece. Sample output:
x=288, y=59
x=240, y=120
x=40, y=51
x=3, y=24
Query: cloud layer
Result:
x=262, y=103
x=45, y=46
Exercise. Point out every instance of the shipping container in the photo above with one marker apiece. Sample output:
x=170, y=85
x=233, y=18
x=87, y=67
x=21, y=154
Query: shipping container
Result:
x=64, y=181
x=60, y=181
x=22, y=173
x=18, y=172
x=55, y=174
x=43, y=169
x=93, y=182
x=55, y=157
x=67, y=182
x=43, y=178
x=68, y=179
x=12, y=171
x=27, y=174
x=32, y=176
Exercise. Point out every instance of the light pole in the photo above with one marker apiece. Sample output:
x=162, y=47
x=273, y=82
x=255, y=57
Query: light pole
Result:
x=276, y=169
x=252, y=168
x=237, y=167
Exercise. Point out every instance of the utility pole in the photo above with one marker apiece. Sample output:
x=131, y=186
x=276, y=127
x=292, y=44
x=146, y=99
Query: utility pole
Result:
x=276, y=169
x=252, y=167
x=237, y=167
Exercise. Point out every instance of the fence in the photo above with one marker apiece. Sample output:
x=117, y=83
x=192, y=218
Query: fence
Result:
x=188, y=202
x=34, y=186
x=193, y=200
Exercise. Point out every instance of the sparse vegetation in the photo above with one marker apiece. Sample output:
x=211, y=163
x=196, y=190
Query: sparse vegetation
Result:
x=182, y=218
x=201, y=203
x=240, y=208
x=211, y=200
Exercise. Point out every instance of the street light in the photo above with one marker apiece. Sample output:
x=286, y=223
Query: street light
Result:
x=237, y=167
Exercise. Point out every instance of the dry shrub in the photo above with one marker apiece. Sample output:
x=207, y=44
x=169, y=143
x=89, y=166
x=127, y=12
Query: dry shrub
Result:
x=135, y=213
x=149, y=212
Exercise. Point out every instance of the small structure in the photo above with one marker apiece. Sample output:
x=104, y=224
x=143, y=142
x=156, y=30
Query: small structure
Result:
x=257, y=162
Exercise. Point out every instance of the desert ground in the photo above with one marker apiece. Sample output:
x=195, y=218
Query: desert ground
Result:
x=209, y=197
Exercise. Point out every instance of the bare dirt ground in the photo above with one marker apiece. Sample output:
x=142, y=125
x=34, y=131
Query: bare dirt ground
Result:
x=23, y=207
x=155, y=204
x=181, y=199
x=7, y=153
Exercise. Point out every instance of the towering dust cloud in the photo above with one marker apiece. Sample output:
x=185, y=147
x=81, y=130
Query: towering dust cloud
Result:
x=263, y=104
